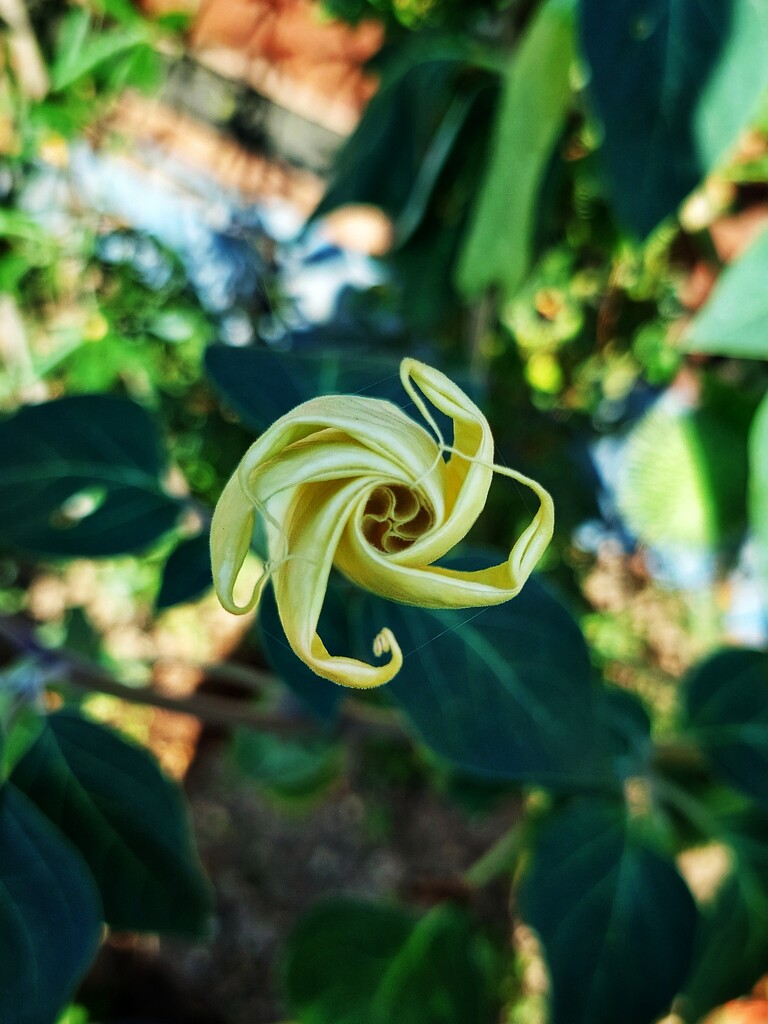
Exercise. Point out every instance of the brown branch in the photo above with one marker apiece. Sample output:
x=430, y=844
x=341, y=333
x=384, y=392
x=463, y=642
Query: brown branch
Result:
x=218, y=711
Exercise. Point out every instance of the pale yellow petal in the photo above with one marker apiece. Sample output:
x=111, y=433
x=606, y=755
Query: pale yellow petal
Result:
x=231, y=535
x=436, y=587
x=313, y=527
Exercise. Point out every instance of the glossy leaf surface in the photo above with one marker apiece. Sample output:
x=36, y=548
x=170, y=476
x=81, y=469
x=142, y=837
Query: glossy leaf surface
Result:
x=674, y=83
x=187, y=573
x=128, y=821
x=50, y=915
x=80, y=476
x=616, y=920
x=261, y=385
x=505, y=692
x=727, y=702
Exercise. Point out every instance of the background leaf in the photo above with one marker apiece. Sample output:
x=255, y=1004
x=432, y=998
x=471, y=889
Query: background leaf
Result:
x=81, y=51
x=758, y=486
x=128, y=821
x=732, y=942
x=627, y=729
x=80, y=476
x=350, y=962
x=727, y=704
x=187, y=573
x=674, y=84
x=734, y=321
x=320, y=696
x=684, y=477
x=289, y=767
x=50, y=916
x=395, y=157
x=505, y=692
x=261, y=385
x=535, y=98
x=616, y=920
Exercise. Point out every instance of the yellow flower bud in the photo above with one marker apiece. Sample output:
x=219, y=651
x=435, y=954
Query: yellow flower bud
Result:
x=354, y=482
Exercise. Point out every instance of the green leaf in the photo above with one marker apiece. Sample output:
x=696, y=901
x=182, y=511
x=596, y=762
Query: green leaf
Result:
x=50, y=916
x=674, y=82
x=616, y=920
x=732, y=943
x=128, y=821
x=80, y=476
x=81, y=51
x=504, y=692
x=734, y=321
x=397, y=153
x=727, y=704
x=186, y=574
x=758, y=485
x=446, y=971
x=14, y=224
x=261, y=385
x=320, y=696
x=684, y=478
x=627, y=728
x=289, y=767
x=499, y=246
x=351, y=962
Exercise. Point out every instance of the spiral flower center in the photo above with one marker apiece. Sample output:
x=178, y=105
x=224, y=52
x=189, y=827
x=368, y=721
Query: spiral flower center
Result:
x=394, y=518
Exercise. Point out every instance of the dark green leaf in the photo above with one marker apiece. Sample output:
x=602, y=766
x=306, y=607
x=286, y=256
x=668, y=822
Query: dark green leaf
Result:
x=758, y=485
x=352, y=962
x=128, y=821
x=732, y=942
x=337, y=957
x=398, y=151
x=81, y=51
x=627, y=728
x=80, y=476
x=289, y=767
x=261, y=385
x=322, y=697
x=446, y=971
x=674, y=84
x=504, y=692
x=187, y=573
x=531, y=116
x=734, y=321
x=616, y=920
x=727, y=703
x=50, y=916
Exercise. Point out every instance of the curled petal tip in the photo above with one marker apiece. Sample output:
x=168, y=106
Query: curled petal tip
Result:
x=384, y=643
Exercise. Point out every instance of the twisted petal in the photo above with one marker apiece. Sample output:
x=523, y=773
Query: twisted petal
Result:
x=354, y=482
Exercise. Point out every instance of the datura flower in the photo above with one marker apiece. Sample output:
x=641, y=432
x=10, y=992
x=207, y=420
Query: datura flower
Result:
x=354, y=482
